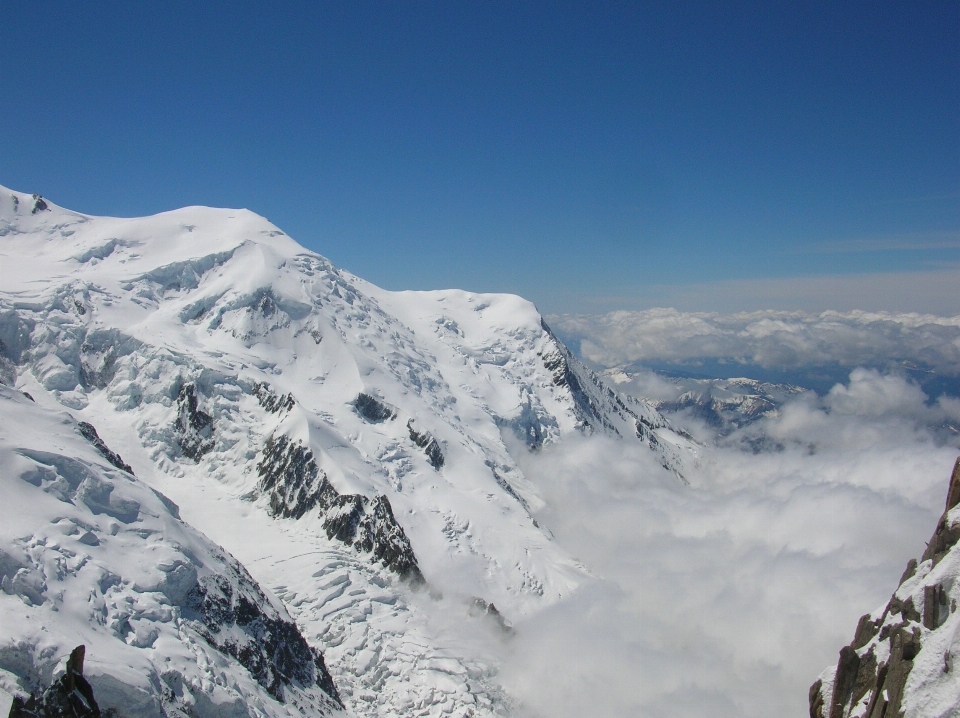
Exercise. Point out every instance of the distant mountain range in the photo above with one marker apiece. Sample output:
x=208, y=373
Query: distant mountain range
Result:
x=723, y=404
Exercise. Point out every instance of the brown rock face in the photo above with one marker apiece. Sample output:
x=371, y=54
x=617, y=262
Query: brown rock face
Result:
x=953, y=493
x=844, y=681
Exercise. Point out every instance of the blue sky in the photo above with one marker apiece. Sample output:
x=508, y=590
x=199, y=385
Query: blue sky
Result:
x=587, y=156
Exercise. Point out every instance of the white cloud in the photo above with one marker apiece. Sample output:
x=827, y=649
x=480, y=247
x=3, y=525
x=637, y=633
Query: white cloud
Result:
x=768, y=338
x=727, y=597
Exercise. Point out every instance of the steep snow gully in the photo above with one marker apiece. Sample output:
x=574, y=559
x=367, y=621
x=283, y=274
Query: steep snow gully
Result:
x=350, y=447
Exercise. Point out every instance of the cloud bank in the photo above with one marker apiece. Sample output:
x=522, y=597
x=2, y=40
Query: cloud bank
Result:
x=766, y=338
x=727, y=597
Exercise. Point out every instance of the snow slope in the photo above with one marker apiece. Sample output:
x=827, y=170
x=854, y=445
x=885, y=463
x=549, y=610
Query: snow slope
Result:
x=351, y=446
x=90, y=555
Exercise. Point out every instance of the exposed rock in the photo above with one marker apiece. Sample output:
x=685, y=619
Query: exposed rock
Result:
x=816, y=700
x=372, y=409
x=479, y=607
x=953, y=493
x=908, y=612
x=943, y=539
x=558, y=363
x=289, y=475
x=866, y=630
x=270, y=401
x=370, y=526
x=598, y=407
x=934, y=605
x=194, y=426
x=945, y=536
x=90, y=434
x=99, y=353
x=272, y=649
x=69, y=697
x=505, y=485
x=866, y=677
x=38, y=204
x=844, y=681
x=532, y=425
x=909, y=571
x=429, y=445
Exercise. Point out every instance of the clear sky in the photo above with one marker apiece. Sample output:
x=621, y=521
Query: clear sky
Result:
x=586, y=156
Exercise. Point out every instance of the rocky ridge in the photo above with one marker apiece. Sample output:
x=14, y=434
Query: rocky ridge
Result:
x=902, y=660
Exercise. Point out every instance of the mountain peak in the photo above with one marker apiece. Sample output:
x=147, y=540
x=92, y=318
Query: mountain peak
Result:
x=254, y=382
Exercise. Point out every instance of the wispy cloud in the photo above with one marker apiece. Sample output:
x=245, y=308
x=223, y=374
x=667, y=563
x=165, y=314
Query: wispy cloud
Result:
x=948, y=239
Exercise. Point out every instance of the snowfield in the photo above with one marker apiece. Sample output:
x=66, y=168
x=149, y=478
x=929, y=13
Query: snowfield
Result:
x=353, y=448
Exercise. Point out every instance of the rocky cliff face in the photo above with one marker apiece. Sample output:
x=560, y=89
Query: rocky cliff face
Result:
x=902, y=660
x=290, y=477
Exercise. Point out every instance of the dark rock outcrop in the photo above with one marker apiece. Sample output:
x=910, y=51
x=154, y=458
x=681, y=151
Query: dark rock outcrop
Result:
x=372, y=409
x=90, y=434
x=429, y=445
x=289, y=475
x=273, y=650
x=39, y=205
x=479, y=607
x=270, y=401
x=69, y=697
x=194, y=426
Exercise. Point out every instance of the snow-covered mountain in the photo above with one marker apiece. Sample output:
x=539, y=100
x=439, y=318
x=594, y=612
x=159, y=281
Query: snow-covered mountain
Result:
x=724, y=405
x=903, y=657
x=351, y=446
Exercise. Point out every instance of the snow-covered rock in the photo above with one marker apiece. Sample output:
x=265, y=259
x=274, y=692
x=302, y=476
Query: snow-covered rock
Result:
x=293, y=409
x=903, y=658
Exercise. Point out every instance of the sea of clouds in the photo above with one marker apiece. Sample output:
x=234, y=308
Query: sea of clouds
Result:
x=729, y=594
x=765, y=338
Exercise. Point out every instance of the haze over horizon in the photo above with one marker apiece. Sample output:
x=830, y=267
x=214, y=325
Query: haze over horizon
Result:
x=629, y=156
